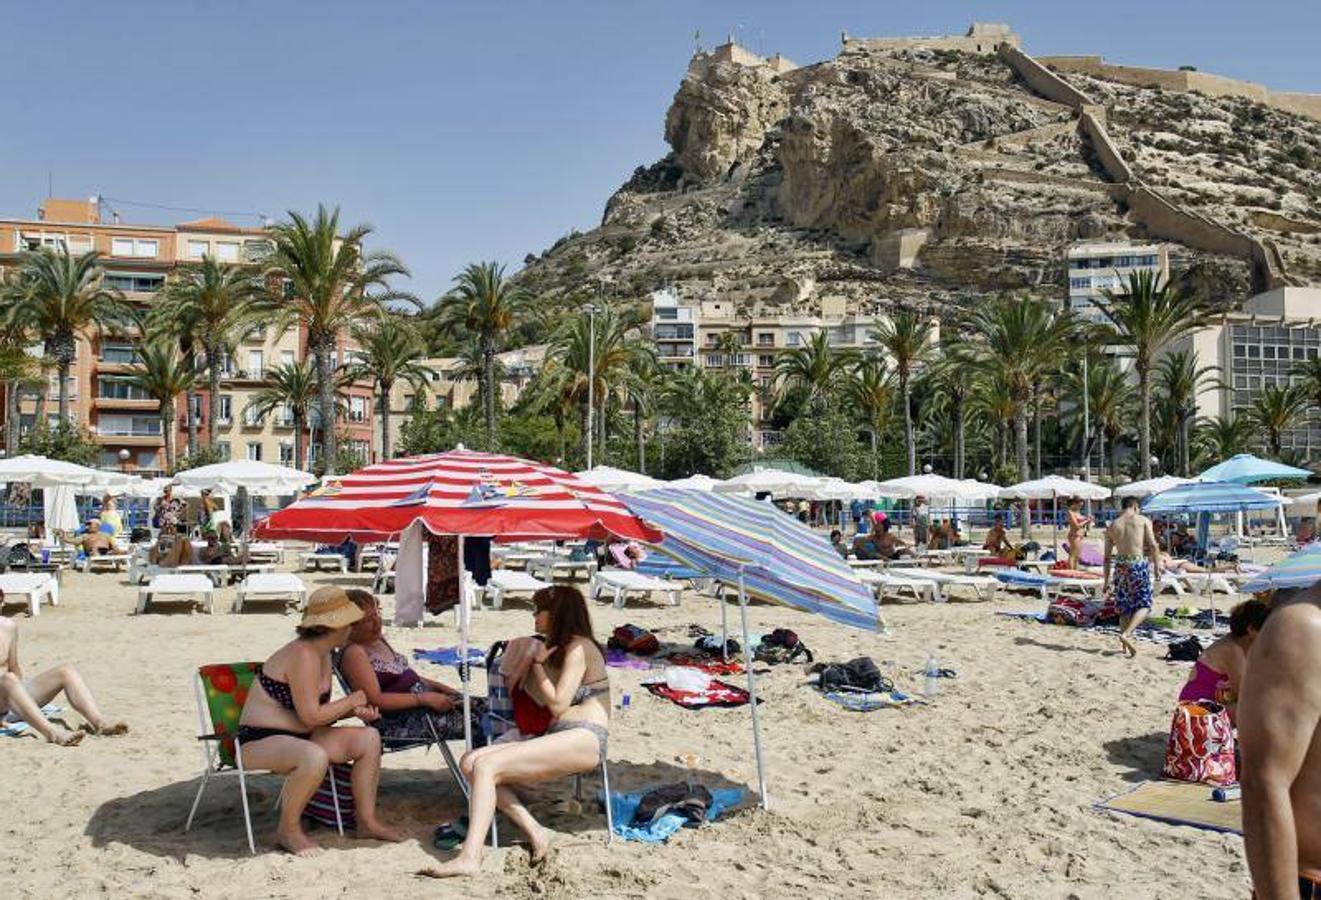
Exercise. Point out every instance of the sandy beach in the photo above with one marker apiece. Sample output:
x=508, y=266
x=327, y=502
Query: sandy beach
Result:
x=987, y=791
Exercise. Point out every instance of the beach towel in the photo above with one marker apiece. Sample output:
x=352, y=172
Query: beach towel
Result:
x=717, y=693
x=15, y=729
x=624, y=806
x=707, y=664
x=623, y=660
x=869, y=701
x=449, y=656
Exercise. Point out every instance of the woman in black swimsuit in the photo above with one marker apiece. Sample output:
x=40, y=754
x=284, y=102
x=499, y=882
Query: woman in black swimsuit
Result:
x=286, y=722
x=567, y=675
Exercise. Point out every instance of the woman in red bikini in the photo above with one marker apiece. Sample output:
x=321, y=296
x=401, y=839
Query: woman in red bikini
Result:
x=1219, y=670
x=286, y=724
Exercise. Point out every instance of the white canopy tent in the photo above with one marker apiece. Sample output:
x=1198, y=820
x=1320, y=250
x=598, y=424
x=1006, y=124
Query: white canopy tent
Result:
x=830, y=488
x=608, y=478
x=1304, y=505
x=61, y=511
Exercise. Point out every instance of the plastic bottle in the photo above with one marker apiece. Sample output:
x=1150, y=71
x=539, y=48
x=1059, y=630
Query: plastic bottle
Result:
x=625, y=701
x=932, y=686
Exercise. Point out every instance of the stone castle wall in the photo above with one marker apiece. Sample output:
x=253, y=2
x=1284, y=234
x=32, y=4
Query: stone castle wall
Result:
x=1042, y=80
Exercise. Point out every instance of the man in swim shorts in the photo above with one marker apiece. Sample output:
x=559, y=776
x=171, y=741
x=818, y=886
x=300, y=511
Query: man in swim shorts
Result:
x=1132, y=557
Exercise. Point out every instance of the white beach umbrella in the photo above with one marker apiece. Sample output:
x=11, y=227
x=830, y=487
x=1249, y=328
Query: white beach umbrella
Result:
x=698, y=482
x=259, y=478
x=1304, y=505
x=40, y=471
x=1150, y=486
x=1052, y=488
x=776, y=482
x=935, y=488
x=61, y=512
x=608, y=478
x=979, y=491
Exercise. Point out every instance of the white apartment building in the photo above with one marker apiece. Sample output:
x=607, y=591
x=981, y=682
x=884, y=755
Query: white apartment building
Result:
x=1258, y=348
x=1096, y=266
x=673, y=330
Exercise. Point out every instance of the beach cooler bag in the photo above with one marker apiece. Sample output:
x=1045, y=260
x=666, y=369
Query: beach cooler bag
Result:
x=1201, y=744
x=634, y=639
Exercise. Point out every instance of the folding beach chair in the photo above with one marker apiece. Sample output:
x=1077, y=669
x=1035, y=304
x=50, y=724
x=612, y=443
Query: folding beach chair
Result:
x=221, y=690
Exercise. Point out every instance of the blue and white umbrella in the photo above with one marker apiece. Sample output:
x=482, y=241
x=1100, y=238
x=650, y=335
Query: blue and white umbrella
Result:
x=1248, y=469
x=1302, y=569
x=1210, y=497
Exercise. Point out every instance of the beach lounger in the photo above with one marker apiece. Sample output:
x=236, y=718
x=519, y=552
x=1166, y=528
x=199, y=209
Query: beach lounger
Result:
x=217, y=689
x=504, y=581
x=35, y=586
x=984, y=587
x=110, y=562
x=217, y=573
x=266, y=552
x=621, y=582
x=263, y=586
x=175, y=586
x=312, y=561
x=894, y=584
x=548, y=567
x=1049, y=586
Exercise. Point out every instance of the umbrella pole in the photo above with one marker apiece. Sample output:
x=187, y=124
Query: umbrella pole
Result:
x=724, y=622
x=1055, y=525
x=752, y=693
x=463, y=650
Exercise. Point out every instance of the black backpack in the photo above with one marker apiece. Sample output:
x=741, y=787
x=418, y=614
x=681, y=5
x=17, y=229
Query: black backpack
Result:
x=1186, y=650
x=781, y=646
x=858, y=674
x=20, y=557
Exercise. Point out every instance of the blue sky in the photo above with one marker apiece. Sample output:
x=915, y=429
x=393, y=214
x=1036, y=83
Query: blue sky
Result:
x=469, y=131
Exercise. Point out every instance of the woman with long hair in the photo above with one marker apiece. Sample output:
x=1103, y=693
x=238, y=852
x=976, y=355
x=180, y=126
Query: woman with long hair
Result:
x=287, y=722
x=568, y=676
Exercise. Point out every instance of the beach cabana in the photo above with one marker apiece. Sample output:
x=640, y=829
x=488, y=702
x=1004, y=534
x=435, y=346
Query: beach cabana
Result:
x=463, y=493
x=763, y=552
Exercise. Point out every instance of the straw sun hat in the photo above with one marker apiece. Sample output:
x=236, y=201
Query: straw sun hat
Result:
x=330, y=607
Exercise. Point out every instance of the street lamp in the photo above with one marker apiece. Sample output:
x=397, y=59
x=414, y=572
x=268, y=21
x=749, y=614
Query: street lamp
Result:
x=926, y=469
x=123, y=460
x=590, y=309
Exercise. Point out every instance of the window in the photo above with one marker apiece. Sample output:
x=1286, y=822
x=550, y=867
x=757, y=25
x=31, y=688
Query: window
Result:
x=1079, y=283
x=130, y=426
x=766, y=361
x=252, y=417
x=110, y=459
x=766, y=340
x=222, y=447
x=225, y=410
x=254, y=451
x=1240, y=351
x=119, y=389
x=198, y=249
x=146, y=459
x=410, y=402
x=256, y=362
x=141, y=284
x=227, y=251
x=143, y=248
x=285, y=416
x=1254, y=352
x=286, y=357
x=286, y=453
x=123, y=354
x=670, y=313
x=795, y=339
x=357, y=409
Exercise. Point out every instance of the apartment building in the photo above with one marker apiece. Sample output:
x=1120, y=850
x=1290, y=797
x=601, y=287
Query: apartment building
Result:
x=137, y=260
x=1096, y=266
x=1258, y=348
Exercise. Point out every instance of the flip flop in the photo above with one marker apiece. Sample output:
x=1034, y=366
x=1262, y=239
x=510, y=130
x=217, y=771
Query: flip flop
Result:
x=449, y=835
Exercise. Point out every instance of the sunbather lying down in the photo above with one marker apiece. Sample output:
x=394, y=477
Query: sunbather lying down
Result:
x=21, y=700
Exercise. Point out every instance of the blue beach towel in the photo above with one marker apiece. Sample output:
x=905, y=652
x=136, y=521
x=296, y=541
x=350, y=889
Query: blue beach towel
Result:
x=869, y=701
x=449, y=656
x=623, y=807
x=17, y=729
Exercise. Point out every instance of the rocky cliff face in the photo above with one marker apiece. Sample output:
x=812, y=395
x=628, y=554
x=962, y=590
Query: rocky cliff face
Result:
x=927, y=178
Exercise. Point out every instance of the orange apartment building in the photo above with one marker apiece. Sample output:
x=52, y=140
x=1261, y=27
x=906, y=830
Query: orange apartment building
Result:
x=138, y=259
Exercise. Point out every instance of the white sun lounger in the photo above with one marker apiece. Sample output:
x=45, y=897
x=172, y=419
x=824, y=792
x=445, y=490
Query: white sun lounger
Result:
x=891, y=583
x=984, y=587
x=36, y=586
x=547, y=567
x=262, y=586
x=175, y=586
x=1207, y=582
x=505, y=581
x=621, y=582
x=314, y=561
x=111, y=561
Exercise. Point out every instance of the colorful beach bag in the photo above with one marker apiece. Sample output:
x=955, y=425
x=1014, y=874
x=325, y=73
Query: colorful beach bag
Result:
x=1201, y=744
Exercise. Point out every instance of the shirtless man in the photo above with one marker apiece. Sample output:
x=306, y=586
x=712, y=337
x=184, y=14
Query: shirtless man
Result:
x=1130, y=545
x=1279, y=728
x=21, y=700
x=997, y=542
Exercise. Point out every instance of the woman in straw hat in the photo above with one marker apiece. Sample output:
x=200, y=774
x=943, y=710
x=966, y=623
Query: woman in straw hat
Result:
x=286, y=722
x=566, y=675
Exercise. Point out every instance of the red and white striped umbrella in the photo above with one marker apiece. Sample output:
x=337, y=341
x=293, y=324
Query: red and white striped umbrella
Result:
x=459, y=492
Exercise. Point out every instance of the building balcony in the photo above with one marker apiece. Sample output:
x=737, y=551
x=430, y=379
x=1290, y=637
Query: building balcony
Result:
x=122, y=403
x=110, y=367
x=252, y=376
x=129, y=440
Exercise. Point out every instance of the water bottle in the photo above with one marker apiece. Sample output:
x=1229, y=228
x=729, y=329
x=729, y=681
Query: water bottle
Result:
x=932, y=686
x=625, y=699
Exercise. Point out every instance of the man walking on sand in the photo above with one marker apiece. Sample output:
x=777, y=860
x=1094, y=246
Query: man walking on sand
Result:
x=1130, y=546
x=1279, y=728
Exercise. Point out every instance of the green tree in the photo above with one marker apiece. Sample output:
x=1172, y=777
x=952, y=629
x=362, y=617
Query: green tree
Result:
x=292, y=386
x=906, y=337
x=65, y=441
x=1110, y=403
x=163, y=374
x=870, y=391
x=1180, y=381
x=388, y=352
x=707, y=423
x=487, y=306
x=816, y=367
x=1219, y=437
x=325, y=281
x=952, y=389
x=1277, y=410
x=826, y=439
x=1147, y=316
x=58, y=297
x=211, y=305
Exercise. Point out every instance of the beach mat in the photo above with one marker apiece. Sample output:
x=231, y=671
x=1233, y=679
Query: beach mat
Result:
x=1179, y=803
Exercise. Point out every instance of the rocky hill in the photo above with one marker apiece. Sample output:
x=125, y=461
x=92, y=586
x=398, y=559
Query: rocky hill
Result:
x=933, y=177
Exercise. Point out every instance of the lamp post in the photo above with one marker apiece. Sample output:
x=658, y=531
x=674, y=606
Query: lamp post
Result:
x=590, y=309
x=123, y=460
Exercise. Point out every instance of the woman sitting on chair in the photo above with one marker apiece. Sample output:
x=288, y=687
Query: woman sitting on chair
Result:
x=412, y=708
x=568, y=676
x=286, y=722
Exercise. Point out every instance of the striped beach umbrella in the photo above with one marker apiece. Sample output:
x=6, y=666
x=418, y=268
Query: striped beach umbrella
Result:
x=459, y=492
x=1302, y=569
x=780, y=559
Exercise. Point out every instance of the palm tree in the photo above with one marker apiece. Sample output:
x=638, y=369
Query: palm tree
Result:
x=1147, y=317
x=326, y=282
x=486, y=305
x=292, y=386
x=163, y=374
x=953, y=388
x=1277, y=410
x=58, y=297
x=1020, y=342
x=1219, y=437
x=870, y=390
x=1181, y=381
x=906, y=337
x=814, y=367
x=211, y=305
x=388, y=352
x=641, y=389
